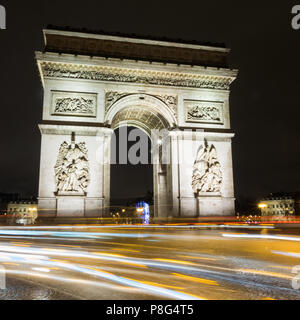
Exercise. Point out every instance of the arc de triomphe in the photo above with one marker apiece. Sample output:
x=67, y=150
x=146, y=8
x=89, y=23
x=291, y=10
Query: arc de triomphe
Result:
x=95, y=83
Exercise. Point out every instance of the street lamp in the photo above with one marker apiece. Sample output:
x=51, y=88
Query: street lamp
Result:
x=262, y=206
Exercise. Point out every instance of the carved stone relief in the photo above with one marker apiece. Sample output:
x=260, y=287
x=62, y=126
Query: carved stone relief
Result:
x=204, y=111
x=113, y=96
x=74, y=104
x=72, y=168
x=207, y=174
x=56, y=70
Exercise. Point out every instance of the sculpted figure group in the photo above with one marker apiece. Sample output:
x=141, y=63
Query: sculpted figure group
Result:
x=72, y=168
x=207, y=174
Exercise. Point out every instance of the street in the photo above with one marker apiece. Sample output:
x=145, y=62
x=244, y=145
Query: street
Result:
x=149, y=262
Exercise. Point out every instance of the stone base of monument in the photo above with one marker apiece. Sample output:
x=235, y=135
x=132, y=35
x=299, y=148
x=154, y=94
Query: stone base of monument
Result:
x=206, y=205
x=67, y=205
x=70, y=206
x=214, y=205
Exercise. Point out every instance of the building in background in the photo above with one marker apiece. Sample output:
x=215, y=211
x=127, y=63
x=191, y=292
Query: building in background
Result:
x=22, y=212
x=278, y=205
x=5, y=198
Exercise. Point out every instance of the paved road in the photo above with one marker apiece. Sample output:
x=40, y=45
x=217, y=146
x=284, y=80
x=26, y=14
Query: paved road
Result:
x=134, y=263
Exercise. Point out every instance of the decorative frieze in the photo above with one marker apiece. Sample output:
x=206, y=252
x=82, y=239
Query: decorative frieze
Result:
x=102, y=73
x=74, y=104
x=207, y=174
x=204, y=111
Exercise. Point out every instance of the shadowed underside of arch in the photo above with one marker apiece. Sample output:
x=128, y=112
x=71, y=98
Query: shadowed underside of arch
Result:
x=140, y=117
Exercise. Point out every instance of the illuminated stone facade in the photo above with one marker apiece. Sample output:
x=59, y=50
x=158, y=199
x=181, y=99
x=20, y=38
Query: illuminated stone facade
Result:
x=91, y=88
x=277, y=206
x=22, y=212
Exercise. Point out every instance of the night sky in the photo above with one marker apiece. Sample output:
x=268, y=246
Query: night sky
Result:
x=265, y=103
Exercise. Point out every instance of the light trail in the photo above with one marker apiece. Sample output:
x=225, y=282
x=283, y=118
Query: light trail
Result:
x=289, y=254
x=73, y=234
x=266, y=273
x=260, y=236
x=36, y=252
x=107, y=276
x=70, y=280
x=194, y=279
x=121, y=226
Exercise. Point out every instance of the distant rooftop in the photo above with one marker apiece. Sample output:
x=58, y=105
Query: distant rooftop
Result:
x=282, y=196
x=134, y=47
x=24, y=202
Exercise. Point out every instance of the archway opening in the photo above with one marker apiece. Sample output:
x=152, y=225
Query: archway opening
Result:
x=131, y=175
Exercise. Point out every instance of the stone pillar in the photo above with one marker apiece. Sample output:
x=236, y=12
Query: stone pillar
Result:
x=163, y=206
x=206, y=201
x=90, y=201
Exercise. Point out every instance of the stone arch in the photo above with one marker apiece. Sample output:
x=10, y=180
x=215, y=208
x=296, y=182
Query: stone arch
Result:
x=142, y=110
x=148, y=113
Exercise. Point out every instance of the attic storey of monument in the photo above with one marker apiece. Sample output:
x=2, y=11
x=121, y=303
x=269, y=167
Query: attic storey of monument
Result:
x=87, y=95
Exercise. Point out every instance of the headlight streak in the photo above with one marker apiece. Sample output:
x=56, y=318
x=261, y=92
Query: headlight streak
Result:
x=24, y=252
x=70, y=280
x=72, y=234
x=32, y=255
x=43, y=238
x=266, y=273
x=195, y=279
x=169, y=265
x=41, y=269
x=108, y=276
x=289, y=254
x=121, y=226
x=260, y=236
x=94, y=271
